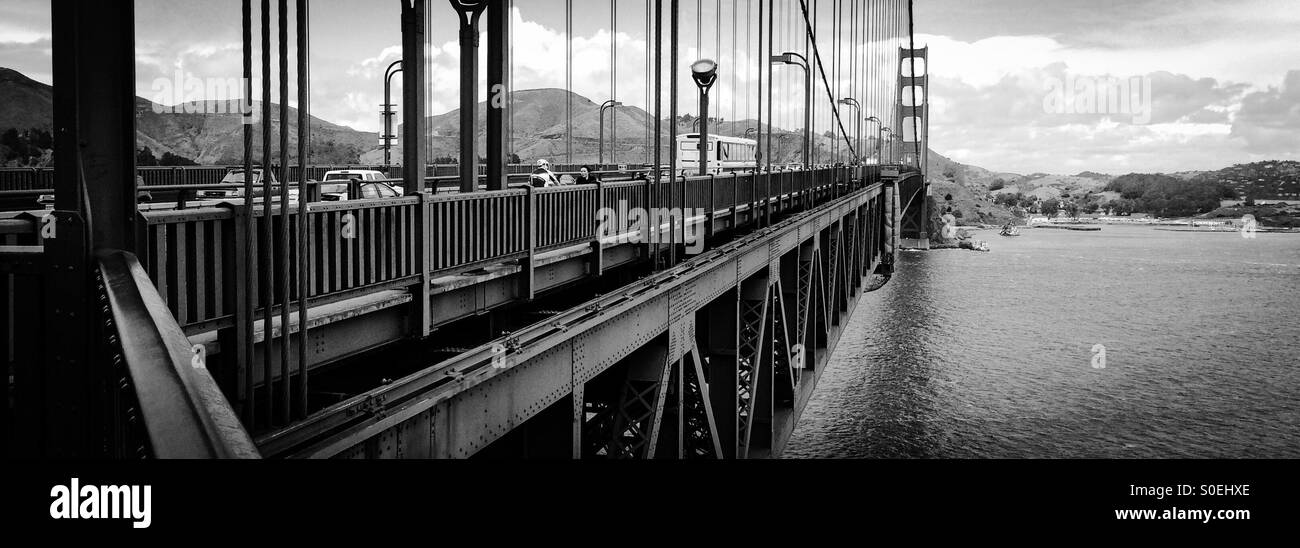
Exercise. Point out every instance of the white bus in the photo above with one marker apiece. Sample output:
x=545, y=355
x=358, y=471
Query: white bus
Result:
x=725, y=154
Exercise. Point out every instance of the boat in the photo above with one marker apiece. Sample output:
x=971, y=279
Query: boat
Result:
x=1009, y=231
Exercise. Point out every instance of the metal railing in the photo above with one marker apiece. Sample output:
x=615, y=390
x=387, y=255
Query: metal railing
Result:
x=162, y=402
x=362, y=244
x=42, y=178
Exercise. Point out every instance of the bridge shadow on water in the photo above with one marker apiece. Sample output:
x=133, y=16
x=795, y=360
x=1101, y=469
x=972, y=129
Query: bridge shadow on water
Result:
x=885, y=369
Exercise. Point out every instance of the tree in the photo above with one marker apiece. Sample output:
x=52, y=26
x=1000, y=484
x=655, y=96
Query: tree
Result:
x=1051, y=207
x=16, y=147
x=998, y=184
x=145, y=157
x=169, y=159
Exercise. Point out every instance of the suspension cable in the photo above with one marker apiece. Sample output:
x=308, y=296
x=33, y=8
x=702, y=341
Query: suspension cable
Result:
x=803, y=4
x=568, y=82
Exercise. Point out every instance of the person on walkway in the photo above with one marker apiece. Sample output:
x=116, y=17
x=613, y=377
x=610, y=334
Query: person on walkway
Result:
x=542, y=176
x=586, y=176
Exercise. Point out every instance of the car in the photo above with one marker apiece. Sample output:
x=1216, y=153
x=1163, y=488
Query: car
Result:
x=236, y=177
x=370, y=185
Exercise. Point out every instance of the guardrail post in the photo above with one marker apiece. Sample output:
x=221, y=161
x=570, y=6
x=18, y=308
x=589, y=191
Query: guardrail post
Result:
x=597, y=249
x=530, y=224
x=424, y=257
x=239, y=339
x=709, y=228
x=735, y=199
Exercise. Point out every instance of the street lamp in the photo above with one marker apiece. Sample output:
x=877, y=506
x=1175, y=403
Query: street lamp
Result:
x=891, y=143
x=791, y=58
x=601, y=143
x=705, y=73
x=388, y=111
x=750, y=130
x=780, y=144
x=880, y=126
x=857, y=136
x=469, y=11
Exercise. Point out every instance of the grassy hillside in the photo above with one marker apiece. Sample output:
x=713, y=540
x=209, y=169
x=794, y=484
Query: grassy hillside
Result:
x=205, y=138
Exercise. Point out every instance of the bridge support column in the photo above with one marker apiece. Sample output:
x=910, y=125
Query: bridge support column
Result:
x=499, y=85
x=718, y=339
x=414, y=138
x=95, y=208
x=754, y=424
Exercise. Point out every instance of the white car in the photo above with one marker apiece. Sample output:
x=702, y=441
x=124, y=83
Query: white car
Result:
x=335, y=186
x=236, y=177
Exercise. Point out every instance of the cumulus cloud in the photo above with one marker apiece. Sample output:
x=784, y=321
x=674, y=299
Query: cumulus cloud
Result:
x=994, y=104
x=1269, y=120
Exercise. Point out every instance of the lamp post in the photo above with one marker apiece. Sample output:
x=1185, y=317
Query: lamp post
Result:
x=388, y=111
x=750, y=130
x=780, y=144
x=606, y=105
x=857, y=135
x=891, y=143
x=791, y=58
x=469, y=11
x=705, y=73
x=879, y=126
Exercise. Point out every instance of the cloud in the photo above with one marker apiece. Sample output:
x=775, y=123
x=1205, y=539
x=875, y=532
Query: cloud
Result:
x=991, y=102
x=1269, y=121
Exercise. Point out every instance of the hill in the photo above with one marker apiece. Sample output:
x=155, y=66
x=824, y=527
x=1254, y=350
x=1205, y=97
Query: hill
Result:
x=1272, y=180
x=540, y=129
x=205, y=138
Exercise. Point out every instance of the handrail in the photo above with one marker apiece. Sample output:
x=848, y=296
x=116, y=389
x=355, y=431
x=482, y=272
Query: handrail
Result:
x=185, y=415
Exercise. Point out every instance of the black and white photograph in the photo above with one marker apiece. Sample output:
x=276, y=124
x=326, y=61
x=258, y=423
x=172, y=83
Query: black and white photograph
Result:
x=863, y=238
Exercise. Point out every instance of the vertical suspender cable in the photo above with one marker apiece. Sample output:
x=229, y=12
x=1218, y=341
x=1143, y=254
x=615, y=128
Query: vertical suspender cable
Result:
x=656, y=176
x=836, y=37
x=672, y=128
x=613, y=80
x=759, y=153
x=699, y=28
x=767, y=179
x=304, y=136
x=266, y=276
x=510, y=93
x=568, y=81
x=648, y=126
x=247, y=301
x=284, y=213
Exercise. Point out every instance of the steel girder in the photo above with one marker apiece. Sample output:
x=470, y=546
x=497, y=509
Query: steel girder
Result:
x=625, y=358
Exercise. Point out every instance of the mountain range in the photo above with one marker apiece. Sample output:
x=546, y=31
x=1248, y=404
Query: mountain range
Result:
x=216, y=139
x=539, y=129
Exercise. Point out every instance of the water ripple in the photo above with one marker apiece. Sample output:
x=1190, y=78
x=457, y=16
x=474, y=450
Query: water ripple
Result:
x=966, y=355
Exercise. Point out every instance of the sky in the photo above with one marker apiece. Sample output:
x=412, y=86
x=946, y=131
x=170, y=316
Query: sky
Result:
x=1016, y=85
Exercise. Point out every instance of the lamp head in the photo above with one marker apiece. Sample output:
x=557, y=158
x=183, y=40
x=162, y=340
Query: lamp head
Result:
x=704, y=72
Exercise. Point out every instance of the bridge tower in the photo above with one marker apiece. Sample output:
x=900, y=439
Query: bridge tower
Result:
x=913, y=119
